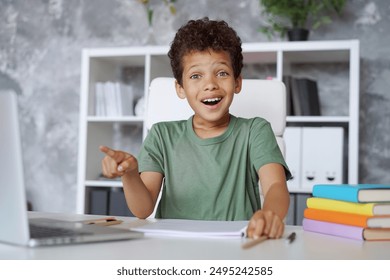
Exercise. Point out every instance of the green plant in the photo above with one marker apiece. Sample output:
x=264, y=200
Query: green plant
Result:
x=150, y=11
x=284, y=15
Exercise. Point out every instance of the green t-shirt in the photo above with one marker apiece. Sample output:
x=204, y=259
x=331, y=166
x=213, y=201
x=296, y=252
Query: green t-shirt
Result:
x=210, y=179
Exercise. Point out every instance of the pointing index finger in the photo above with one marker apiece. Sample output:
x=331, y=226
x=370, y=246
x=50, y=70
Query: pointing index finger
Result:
x=107, y=151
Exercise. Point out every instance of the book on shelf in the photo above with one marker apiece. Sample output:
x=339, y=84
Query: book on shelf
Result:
x=100, y=108
x=108, y=201
x=117, y=205
x=289, y=105
x=305, y=97
x=347, y=231
x=377, y=221
x=98, y=202
x=113, y=99
x=126, y=99
x=110, y=99
x=354, y=193
x=296, y=98
x=369, y=208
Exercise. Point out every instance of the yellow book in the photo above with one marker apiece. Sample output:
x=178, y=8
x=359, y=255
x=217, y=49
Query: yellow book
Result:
x=369, y=209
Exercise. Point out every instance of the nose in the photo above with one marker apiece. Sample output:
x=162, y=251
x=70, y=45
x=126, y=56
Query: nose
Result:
x=210, y=83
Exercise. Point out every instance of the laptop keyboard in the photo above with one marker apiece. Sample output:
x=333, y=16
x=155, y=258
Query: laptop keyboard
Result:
x=37, y=231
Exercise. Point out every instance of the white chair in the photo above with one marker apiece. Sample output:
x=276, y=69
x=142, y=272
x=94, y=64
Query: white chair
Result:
x=258, y=98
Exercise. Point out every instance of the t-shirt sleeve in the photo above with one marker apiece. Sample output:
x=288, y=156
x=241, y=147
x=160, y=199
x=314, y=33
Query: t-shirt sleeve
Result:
x=264, y=148
x=151, y=157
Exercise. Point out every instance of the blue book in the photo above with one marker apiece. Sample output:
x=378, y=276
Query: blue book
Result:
x=360, y=193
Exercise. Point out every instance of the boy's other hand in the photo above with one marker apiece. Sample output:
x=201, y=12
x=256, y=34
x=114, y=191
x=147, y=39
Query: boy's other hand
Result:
x=265, y=222
x=117, y=163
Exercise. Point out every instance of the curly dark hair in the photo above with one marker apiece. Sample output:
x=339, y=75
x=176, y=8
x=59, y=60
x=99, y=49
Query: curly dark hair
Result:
x=201, y=35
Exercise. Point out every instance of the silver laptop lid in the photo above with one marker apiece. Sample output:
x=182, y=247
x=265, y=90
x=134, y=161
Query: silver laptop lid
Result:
x=13, y=205
x=13, y=208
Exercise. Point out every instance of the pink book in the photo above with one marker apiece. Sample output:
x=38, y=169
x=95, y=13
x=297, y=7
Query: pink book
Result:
x=340, y=230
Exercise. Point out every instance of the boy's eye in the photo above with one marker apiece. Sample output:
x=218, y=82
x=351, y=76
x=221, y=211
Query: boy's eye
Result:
x=195, y=76
x=223, y=74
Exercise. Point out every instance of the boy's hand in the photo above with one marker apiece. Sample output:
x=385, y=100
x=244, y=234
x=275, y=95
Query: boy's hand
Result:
x=117, y=163
x=265, y=222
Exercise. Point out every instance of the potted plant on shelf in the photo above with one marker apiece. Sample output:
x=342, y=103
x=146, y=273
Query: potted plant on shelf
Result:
x=150, y=10
x=297, y=17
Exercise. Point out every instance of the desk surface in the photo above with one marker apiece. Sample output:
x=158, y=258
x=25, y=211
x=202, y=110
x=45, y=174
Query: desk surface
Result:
x=306, y=246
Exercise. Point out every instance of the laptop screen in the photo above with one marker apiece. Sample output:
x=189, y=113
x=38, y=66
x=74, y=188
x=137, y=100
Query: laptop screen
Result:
x=13, y=208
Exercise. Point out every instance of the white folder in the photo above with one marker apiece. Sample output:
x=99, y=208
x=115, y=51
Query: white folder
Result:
x=322, y=156
x=293, y=139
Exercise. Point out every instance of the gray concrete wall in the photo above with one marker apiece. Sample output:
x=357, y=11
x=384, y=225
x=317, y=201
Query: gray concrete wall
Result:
x=40, y=55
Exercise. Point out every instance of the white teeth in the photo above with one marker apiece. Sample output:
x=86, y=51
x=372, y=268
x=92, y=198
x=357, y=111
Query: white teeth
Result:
x=212, y=99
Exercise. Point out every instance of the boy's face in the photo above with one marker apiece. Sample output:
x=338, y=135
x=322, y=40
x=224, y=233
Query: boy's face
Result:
x=209, y=85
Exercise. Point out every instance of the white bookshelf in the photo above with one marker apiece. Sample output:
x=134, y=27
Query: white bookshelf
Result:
x=149, y=62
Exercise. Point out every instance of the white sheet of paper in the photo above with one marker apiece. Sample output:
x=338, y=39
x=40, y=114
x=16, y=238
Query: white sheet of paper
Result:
x=194, y=228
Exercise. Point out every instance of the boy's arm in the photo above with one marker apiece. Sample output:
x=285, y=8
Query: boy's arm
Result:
x=269, y=220
x=141, y=190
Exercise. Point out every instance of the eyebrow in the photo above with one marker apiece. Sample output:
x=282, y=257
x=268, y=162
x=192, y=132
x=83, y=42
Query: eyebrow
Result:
x=216, y=63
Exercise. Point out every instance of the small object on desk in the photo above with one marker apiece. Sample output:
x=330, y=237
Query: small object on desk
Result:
x=290, y=239
x=253, y=242
x=194, y=228
x=106, y=221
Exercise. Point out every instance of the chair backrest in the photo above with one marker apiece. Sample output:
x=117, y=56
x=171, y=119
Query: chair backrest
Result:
x=258, y=98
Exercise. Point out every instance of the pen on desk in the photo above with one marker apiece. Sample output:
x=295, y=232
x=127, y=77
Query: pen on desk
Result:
x=291, y=237
x=108, y=221
x=253, y=242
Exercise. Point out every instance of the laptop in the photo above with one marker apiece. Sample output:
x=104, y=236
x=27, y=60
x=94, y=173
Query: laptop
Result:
x=16, y=227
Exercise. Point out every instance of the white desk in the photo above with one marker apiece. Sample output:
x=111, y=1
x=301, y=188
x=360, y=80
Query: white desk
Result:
x=306, y=246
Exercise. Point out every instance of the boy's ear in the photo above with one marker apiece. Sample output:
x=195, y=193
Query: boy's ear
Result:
x=238, y=85
x=180, y=90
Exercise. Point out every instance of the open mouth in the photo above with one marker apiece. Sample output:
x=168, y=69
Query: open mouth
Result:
x=211, y=101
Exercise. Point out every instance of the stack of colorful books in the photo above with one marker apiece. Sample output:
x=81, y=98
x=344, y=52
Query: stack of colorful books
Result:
x=359, y=211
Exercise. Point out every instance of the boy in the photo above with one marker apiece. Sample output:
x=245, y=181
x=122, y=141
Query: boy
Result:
x=210, y=164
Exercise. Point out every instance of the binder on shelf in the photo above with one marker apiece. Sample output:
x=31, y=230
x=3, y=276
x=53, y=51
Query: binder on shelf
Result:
x=289, y=105
x=305, y=97
x=301, y=199
x=293, y=140
x=322, y=156
x=290, y=218
x=117, y=203
x=296, y=98
x=98, y=202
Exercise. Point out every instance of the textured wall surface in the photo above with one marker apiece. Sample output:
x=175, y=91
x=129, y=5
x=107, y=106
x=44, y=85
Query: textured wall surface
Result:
x=40, y=56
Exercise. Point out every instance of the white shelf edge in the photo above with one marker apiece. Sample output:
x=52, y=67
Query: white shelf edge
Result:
x=126, y=51
x=102, y=183
x=126, y=119
x=318, y=119
x=246, y=47
x=300, y=46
